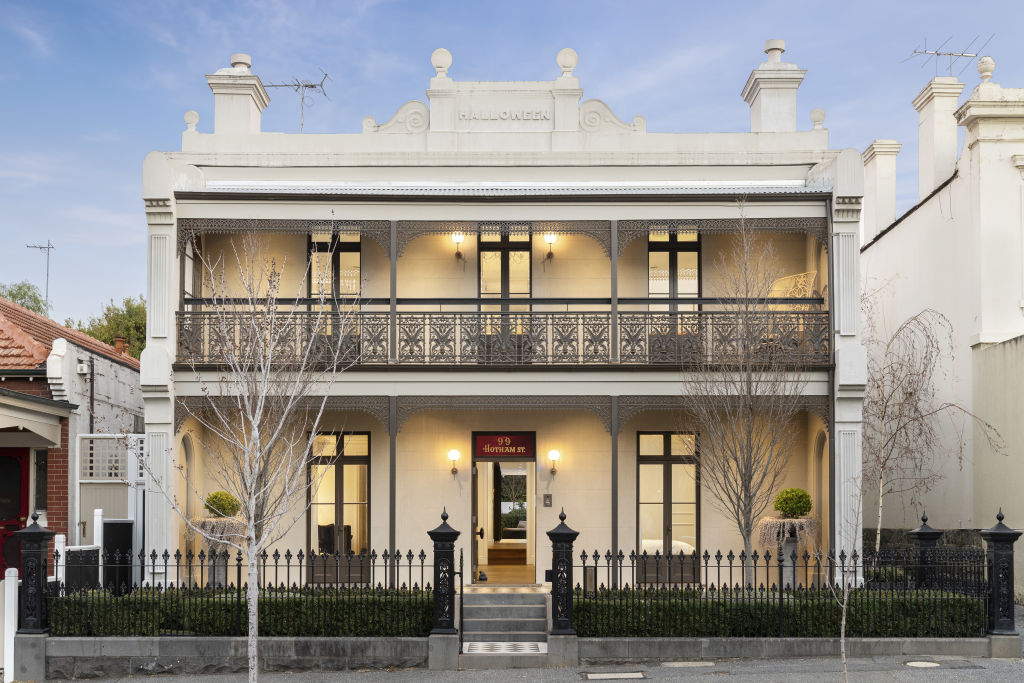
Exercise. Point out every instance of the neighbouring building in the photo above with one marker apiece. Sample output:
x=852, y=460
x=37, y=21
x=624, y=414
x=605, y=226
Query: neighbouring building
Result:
x=499, y=201
x=57, y=384
x=960, y=251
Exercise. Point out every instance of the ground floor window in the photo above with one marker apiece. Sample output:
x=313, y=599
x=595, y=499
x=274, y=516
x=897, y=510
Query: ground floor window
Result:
x=668, y=494
x=339, y=513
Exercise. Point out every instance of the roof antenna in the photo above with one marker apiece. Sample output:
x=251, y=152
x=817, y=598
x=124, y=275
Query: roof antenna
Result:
x=305, y=89
x=48, y=247
x=953, y=57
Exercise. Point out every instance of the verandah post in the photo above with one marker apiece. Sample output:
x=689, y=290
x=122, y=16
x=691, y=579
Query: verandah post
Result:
x=444, y=537
x=562, y=538
x=999, y=542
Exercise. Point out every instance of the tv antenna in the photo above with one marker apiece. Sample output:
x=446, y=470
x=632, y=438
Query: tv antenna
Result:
x=305, y=90
x=48, y=247
x=953, y=57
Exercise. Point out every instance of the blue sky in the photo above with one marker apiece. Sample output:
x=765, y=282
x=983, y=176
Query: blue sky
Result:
x=89, y=88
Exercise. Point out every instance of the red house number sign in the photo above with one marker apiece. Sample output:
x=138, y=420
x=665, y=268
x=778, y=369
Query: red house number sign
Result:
x=495, y=446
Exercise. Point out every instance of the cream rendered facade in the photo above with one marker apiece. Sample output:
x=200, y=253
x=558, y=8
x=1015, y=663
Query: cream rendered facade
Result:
x=967, y=237
x=500, y=159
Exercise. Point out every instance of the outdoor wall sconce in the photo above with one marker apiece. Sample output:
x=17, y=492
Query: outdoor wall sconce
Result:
x=550, y=238
x=453, y=457
x=458, y=237
x=553, y=456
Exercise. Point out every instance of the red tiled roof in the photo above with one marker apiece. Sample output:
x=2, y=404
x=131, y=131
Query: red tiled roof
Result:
x=26, y=339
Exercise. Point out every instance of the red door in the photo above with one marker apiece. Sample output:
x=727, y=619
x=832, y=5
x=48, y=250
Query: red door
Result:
x=13, y=502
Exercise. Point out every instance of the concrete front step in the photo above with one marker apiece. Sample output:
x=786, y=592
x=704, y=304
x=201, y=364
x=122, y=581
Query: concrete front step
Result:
x=538, y=611
x=506, y=624
x=505, y=636
x=503, y=599
x=495, y=661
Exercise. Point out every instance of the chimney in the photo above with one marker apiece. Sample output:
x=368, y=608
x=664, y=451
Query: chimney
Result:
x=879, y=186
x=771, y=92
x=239, y=98
x=119, y=344
x=936, y=132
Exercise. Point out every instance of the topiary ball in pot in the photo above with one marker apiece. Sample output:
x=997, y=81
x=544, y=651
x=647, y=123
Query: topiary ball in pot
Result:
x=793, y=503
x=222, y=504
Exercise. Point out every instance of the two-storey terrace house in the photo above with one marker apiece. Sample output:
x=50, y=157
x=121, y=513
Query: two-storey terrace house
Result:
x=534, y=280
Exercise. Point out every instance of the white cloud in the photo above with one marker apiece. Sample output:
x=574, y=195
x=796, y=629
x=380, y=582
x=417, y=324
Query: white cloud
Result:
x=657, y=74
x=121, y=227
x=34, y=39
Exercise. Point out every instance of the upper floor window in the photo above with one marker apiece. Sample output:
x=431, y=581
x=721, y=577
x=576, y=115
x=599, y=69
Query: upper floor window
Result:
x=505, y=266
x=335, y=268
x=673, y=259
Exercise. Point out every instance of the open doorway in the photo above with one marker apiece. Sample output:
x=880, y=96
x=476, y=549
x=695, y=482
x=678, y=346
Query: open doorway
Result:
x=503, y=506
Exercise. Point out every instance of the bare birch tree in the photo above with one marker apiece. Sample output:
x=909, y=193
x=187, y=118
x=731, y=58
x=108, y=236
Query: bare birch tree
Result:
x=265, y=378
x=745, y=395
x=904, y=442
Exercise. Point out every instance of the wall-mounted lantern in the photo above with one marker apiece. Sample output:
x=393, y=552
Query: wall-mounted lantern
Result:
x=550, y=238
x=553, y=456
x=453, y=457
x=458, y=237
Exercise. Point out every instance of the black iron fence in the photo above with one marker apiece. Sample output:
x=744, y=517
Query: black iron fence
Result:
x=307, y=594
x=942, y=593
x=929, y=591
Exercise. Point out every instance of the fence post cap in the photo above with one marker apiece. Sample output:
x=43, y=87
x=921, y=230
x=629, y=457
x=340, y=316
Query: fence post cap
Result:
x=443, y=532
x=562, y=532
x=1000, y=532
x=34, y=532
x=925, y=532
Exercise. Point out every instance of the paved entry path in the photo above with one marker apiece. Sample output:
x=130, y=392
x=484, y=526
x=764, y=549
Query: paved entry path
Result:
x=817, y=669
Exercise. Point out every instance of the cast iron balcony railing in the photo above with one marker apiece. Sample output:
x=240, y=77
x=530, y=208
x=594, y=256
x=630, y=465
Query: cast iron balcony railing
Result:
x=791, y=337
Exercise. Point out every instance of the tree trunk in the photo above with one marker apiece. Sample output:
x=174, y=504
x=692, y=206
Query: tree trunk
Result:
x=878, y=528
x=842, y=630
x=748, y=564
x=252, y=595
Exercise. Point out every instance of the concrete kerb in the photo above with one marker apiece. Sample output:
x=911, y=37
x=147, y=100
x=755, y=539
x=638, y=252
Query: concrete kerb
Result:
x=609, y=650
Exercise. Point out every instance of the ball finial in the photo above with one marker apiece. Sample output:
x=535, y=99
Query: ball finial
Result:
x=561, y=515
x=444, y=514
x=924, y=517
x=191, y=119
x=818, y=118
x=999, y=516
x=441, y=60
x=567, y=60
x=986, y=65
x=35, y=516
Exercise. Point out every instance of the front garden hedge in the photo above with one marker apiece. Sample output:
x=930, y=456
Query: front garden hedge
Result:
x=325, y=612
x=875, y=614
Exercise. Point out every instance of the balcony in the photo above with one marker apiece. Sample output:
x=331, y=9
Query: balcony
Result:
x=788, y=332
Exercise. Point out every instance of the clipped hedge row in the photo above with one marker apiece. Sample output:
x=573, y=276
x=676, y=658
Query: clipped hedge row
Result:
x=374, y=612
x=875, y=614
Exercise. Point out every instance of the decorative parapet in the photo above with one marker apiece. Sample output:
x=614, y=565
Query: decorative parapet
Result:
x=412, y=117
x=597, y=117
